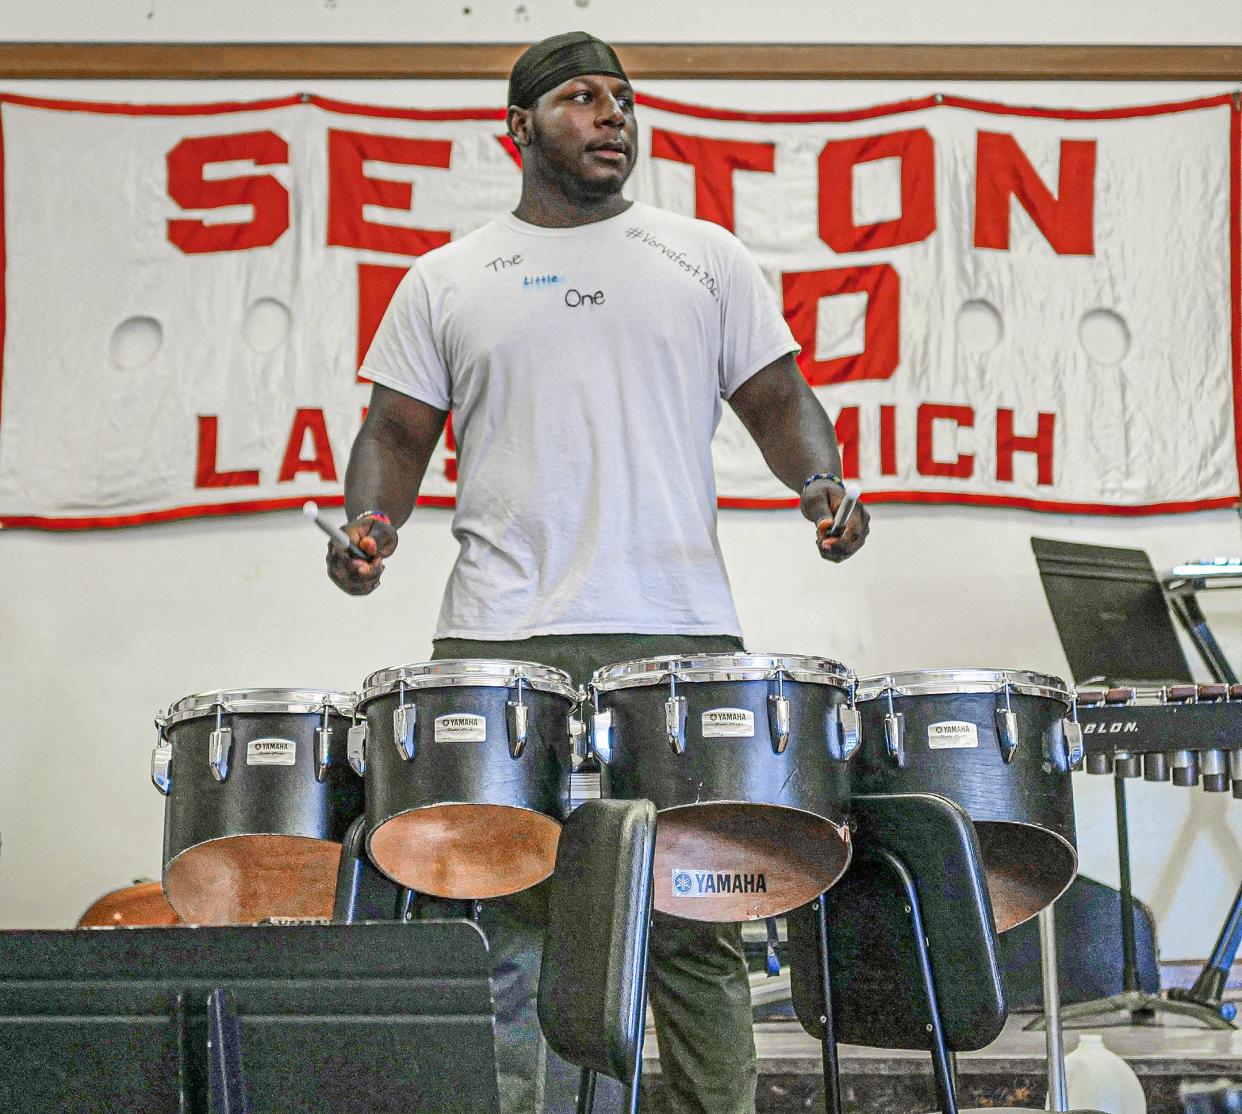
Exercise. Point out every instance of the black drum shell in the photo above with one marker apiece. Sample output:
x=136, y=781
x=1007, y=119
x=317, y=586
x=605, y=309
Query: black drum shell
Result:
x=465, y=819
x=260, y=799
x=1034, y=789
x=467, y=772
x=743, y=832
x=805, y=776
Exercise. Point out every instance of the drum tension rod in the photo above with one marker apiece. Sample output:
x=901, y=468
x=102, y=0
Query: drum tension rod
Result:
x=404, y=721
x=849, y=723
x=778, y=715
x=517, y=721
x=1007, y=728
x=161, y=761
x=675, y=717
x=356, y=746
x=894, y=729
x=601, y=730
x=220, y=746
x=323, y=744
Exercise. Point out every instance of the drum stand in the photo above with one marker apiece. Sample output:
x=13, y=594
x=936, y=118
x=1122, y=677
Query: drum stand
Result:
x=1141, y=1006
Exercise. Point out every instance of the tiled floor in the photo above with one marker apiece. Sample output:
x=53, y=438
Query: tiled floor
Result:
x=1011, y=1071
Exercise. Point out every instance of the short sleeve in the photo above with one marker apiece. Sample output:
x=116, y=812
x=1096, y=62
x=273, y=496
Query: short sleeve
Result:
x=403, y=354
x=754, y=331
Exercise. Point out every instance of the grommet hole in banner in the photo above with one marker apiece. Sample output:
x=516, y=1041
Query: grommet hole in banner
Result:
x=266, y=325
x=135, y=342
x=1104, y=336
x=979, y=325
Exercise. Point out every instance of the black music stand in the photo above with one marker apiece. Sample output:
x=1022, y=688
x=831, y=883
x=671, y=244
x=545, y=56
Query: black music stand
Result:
x=592, y=996
x=306, y=1019
x=1113, y=621
x=912, y=915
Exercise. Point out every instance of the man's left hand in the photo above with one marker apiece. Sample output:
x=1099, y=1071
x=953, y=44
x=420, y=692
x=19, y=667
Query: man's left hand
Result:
x=819, y=504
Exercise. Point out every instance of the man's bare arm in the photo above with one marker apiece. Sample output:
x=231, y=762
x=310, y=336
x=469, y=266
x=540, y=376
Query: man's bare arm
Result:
x=797, y=440
x=386, y=468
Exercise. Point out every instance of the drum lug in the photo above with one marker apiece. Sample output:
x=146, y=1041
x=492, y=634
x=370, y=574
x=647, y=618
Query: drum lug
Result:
x=675, y=723
x=1074, y=748
x=849, y=725
x=577, y=743
x=778, y=722
x=895, y=737
x=517, y=720
x=356, y=748
x=161, y=765
x=220, y=752
x=323, y=756
x=601, y=736
x=404, y=721
x=1007, y=733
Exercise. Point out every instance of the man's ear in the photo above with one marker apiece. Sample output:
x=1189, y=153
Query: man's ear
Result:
x=518, y=123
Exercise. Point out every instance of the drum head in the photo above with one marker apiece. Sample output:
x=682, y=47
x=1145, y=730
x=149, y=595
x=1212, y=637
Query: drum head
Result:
x=143, y=903
x=245, y=879
x=1026, y=868
x=466, y=850
x=738, y=861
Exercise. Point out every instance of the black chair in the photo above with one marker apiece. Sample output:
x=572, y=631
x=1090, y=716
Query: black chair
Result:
x=592, y=982
x=904, y=946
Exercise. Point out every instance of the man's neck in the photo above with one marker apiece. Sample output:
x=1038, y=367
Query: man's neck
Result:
x=552, y=209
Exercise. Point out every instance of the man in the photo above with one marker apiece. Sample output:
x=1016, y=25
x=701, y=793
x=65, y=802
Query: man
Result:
x=585, y=365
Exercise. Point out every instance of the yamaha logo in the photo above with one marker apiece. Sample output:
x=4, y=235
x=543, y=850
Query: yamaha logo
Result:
x=709, y=883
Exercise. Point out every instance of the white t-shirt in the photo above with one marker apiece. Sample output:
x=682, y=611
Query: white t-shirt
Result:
x=585, y=369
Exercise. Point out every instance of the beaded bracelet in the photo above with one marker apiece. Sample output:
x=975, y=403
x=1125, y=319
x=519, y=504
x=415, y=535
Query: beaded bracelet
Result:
x=832, y=477
x=379, y=516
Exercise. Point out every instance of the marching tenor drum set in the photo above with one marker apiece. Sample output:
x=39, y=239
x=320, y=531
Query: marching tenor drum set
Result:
x=464, y=771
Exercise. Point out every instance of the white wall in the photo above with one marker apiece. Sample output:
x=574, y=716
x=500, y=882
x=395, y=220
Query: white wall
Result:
x=99, y=631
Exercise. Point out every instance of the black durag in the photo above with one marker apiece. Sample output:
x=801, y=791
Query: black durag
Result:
x=548, y=63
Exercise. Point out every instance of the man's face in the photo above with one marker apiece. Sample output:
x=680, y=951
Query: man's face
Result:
x=583, y=134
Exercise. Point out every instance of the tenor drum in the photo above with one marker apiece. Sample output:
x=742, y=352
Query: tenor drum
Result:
x=1000, y=744
x=259, y=794
x=745, y=757
x=466, y=763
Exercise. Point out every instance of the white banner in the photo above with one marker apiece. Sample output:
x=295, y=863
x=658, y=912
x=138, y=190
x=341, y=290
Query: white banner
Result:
x=1015, y=307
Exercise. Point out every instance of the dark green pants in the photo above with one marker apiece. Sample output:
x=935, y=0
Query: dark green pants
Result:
x=698, y=985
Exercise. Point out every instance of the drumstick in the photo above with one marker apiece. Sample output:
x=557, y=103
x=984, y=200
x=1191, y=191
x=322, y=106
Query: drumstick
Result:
x=311, y=509
x=844, y=509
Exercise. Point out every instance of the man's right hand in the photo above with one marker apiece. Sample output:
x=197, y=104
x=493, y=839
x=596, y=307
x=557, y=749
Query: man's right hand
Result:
x=375, y=538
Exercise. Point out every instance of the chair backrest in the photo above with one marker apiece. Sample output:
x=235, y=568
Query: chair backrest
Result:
x=595, y=951
x=1110, y=612
x=877, y=989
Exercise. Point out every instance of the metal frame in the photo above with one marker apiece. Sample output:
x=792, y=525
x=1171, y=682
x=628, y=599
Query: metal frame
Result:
x=805, y=61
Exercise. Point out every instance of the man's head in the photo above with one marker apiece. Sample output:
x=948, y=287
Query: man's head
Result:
x=571, y=110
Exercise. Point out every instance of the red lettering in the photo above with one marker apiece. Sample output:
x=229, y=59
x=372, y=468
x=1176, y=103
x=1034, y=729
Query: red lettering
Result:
x=714, y=161
x=205, y=474
x=349, y=189
x=918, y=191
x=1002, y=171
x=377, y=283
x=321, y=463
x=268, y=199
x=803, y=292
x=846, y=425
x=450, y=443
x=929, y=413
x=1041, y=444
x=888, y=440
x=511, y=149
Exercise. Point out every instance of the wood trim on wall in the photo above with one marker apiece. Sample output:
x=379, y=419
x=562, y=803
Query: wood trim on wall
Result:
x=923, y=62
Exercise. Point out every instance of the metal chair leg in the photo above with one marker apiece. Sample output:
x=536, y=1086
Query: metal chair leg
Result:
x=827, y=1034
